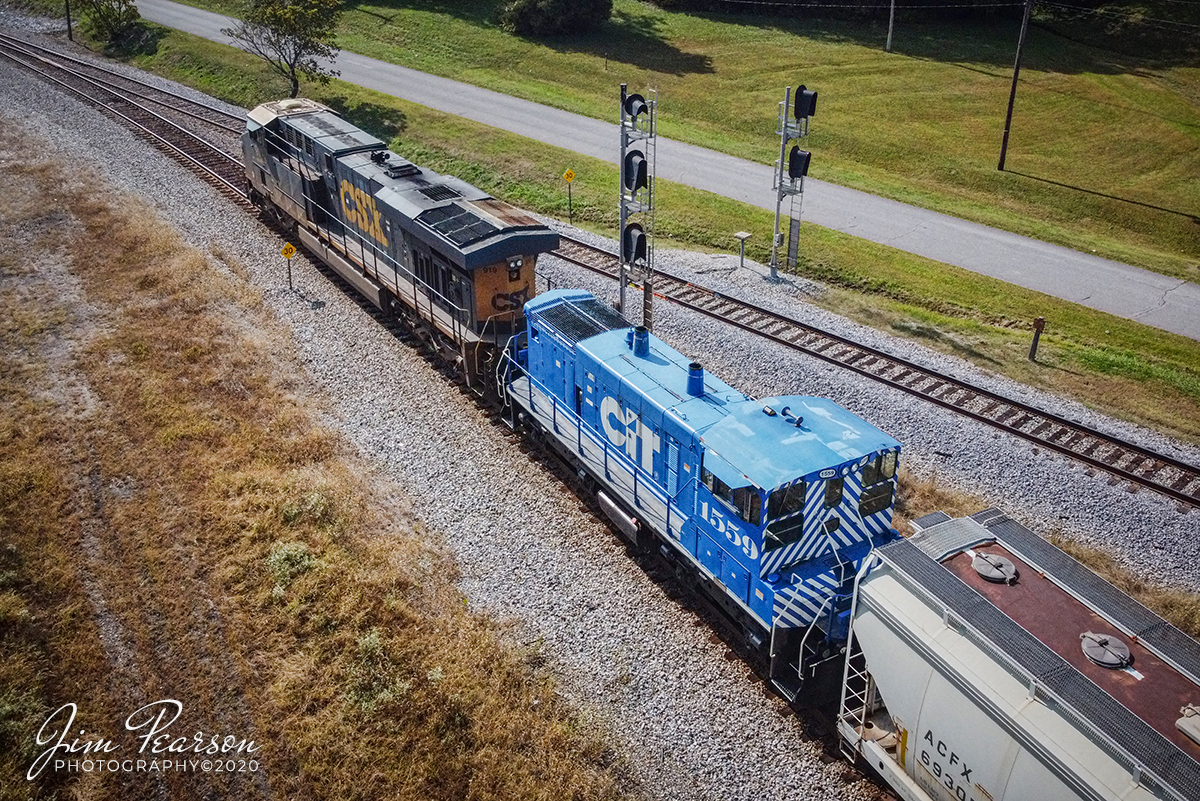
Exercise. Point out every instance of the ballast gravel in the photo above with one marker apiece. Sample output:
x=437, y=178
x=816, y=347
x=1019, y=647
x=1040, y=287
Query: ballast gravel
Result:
x=692, y=723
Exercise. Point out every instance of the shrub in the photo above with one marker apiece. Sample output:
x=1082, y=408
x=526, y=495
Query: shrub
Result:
x=111, y=19
x=554, y=17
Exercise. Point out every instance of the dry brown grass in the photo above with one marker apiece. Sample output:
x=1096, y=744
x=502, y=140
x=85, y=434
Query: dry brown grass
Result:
x=193, y=534
x=1178, y=607
x=921, y=495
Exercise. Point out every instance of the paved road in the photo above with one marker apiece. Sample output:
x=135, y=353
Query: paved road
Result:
x=1157, y=300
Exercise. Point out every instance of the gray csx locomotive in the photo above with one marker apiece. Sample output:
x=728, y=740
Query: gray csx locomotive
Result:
x=454, y=262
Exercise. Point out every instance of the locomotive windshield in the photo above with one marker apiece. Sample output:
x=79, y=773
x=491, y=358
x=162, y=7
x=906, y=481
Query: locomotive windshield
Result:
x=882, y=467
x=785, y=523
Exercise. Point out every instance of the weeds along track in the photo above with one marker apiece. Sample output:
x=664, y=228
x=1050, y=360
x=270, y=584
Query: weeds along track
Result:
x=1125, y=461
x=168, y=120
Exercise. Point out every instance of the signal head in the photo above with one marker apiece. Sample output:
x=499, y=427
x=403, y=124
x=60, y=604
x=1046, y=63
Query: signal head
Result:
x=633, y=243
x=806, y=102
x=635, y=173
x=635, y=105
x=798, y=162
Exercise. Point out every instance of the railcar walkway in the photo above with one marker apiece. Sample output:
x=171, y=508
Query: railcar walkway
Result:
x=1157, y=300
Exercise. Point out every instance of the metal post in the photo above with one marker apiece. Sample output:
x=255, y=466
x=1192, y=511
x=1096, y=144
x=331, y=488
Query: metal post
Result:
x=1012, y=95
x=70, y=34
x=891, y=22
x=741, y=237
x=570, y=206
x=1039, y=325
x=624, y=215
x=784, y=109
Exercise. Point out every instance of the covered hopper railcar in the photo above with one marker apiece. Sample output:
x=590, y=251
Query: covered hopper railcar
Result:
x=449, y=258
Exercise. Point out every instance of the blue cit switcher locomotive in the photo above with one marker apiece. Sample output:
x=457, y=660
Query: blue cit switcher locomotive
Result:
x=771, y=504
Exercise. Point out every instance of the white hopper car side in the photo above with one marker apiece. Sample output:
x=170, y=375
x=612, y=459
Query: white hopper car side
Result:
x=986, y=664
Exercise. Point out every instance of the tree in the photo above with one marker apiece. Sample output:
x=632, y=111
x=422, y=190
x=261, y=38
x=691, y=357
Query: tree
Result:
x=111, y=19
x=554, y=17
x=296, y=37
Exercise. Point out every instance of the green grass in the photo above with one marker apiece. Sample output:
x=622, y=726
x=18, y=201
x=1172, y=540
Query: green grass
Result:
x=1120, y=366
x=1105, y=148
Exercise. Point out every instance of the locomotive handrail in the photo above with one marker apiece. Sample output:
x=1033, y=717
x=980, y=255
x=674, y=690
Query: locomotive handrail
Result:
x=455, y=312
x=621, y=458
x=671, y=501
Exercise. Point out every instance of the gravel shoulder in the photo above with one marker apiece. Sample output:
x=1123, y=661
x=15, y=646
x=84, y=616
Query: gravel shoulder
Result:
x=693, y=724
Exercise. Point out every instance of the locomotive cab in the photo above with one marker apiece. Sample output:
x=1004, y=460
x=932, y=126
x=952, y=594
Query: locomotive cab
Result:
x=791, y=551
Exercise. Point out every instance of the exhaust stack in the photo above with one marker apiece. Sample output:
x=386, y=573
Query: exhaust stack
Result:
x=641, y=341
x=695, y=380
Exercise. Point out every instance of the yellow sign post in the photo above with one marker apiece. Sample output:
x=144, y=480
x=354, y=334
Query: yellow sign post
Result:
x=569, y=176
x=288, y=251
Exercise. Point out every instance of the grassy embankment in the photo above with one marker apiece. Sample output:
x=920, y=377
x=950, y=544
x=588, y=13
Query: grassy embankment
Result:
x=174, y=523
x=1119, y=366
x=1105, y=148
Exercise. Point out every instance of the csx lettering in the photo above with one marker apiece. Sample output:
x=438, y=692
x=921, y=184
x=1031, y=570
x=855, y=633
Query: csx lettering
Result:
x=360, y=210
x=628, y=431
x=954, y=775
x=507, y=301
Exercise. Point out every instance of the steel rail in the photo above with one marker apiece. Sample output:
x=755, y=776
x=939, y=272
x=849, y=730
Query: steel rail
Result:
x=1171, y=477
x=238, y=121
x=164, y=133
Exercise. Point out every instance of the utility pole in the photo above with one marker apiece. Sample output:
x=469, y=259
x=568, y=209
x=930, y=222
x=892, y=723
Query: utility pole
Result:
x=891, y=22
x=70, y=35
x=1012, y=95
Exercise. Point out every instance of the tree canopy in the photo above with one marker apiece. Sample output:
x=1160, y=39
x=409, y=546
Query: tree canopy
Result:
x=296, y=37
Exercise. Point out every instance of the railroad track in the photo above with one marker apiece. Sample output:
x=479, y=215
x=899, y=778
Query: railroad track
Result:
x=156, y=115
x=1123, y=460
x=133, y=103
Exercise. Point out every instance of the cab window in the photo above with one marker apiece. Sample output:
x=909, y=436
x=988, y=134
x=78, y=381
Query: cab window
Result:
x=881, y=467
x=785, y=516
x=744, y=501
x=833, y=492
x=786, y=501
